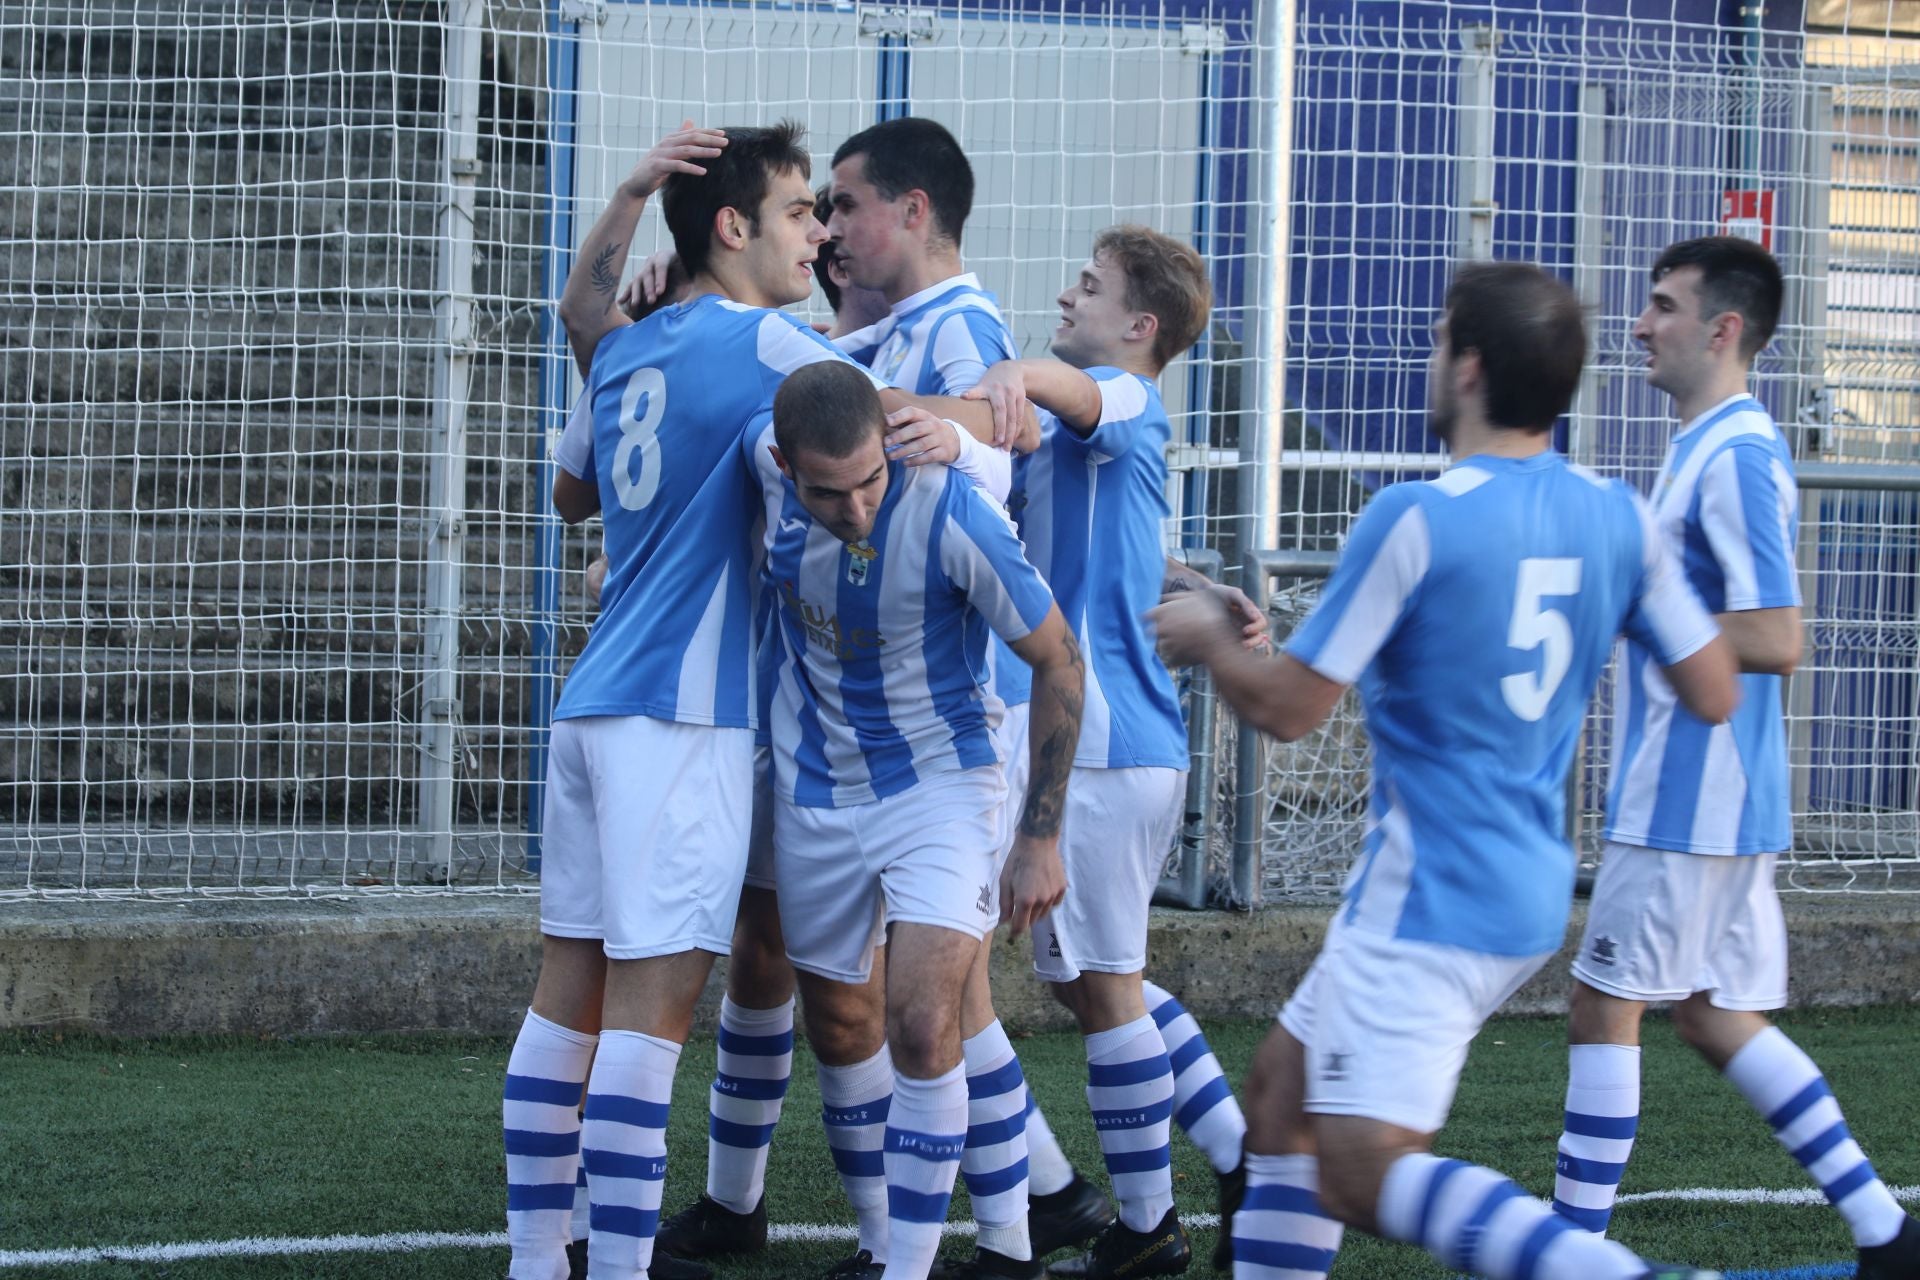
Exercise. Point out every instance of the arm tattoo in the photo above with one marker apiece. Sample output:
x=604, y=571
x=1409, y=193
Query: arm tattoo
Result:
x=604, y=276
x=1047, y=779
x=1178, y=582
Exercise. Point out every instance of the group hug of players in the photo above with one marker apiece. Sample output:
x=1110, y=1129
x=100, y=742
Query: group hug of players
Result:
x=879, y=667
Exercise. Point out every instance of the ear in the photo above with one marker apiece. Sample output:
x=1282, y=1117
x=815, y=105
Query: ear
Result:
x=1726, y=331
x=1467, y=373
x=730, y=228
x=780, y=461
x=1144, y=327
x=916, y=209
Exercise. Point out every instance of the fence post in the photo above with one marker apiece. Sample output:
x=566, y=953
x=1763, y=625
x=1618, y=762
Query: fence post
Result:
x=1474, y=141
x=1274, y=32
x=447, y=454
x=1185, y=885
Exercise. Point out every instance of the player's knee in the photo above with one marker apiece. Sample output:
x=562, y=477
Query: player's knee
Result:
x=843, y=1030
x=924, y=1039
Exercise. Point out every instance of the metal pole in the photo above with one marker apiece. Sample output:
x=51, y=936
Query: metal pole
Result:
x=1273, y=239
x=1257, y=572
x=1184, y=884
x=1475, y=141
x=1869, y=476
x=447, y=477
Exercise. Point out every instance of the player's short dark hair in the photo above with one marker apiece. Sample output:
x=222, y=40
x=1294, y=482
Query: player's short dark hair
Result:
x=828, y=408
x=1735, y=275
x=1166, y=279
x=912, y=153
x=1531, y=336
x=737, y=178
x=829, y=250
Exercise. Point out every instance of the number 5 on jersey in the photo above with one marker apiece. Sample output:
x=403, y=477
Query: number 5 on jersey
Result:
x=642, y=405
x=1536, y=626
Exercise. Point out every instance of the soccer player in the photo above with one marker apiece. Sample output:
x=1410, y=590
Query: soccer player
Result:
x=1475, y=611
x=651, y=760
x=945, y=342
x=1091, y=506
x=1684, y=908
x=888, y=781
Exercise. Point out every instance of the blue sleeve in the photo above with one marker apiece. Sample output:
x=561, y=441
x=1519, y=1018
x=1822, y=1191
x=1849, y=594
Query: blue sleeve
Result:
x=1385, y=560
x=964, y=344
x=1129, y=410
x=1749, y=513
x=981, y=555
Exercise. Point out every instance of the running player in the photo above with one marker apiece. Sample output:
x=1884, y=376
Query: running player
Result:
x=653, y=734
x=1091, y=506
x=1475, y=611
x=888, y=779
x=1685, y=909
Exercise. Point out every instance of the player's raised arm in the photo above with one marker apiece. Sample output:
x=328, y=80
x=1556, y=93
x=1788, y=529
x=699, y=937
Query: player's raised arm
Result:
x=587, y=305
x=1034, y=881
x=1181, y=577
x=1062, y=390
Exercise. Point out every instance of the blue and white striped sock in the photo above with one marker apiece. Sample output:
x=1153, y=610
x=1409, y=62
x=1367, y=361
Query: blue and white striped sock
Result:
x=1048, y=1169
x=926, y=1131
x=1281, y=1232
x=1474, y=1220
x=1130, y=1088
x=540, y=1117
x=624, y=1142
x=1785, y=1086
x=994, y=1163
x=1203, y=1105
x=743, y=1106
x=1603, y=1114
x=854, y=1103
x=582, y=1205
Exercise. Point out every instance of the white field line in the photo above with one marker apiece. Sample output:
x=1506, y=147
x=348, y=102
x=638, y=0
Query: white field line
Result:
x=411, y=1241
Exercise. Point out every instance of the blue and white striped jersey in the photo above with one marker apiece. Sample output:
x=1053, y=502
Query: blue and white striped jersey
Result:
x=939, y=342
x=1090, y=510
x=1475, y=612
x=1727, y=505
x=885, y=642
x=671, y=397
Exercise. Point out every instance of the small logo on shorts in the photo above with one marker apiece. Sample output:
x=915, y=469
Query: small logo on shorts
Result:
x=986, y=899
x=1604, y=950
x=1335, y=1067
x=1053, y=945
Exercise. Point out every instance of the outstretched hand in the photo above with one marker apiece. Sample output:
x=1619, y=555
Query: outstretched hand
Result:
x=675, y=153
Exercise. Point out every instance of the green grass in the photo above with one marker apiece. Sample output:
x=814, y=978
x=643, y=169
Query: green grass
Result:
x=119, y=1143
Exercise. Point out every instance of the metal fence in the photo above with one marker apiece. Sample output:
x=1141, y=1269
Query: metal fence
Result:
x=282, y=607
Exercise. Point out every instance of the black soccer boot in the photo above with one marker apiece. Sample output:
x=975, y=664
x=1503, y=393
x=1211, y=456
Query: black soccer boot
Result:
x=985, y=1264
x=1897, y=1259
x=1073, y=1215
x=663, y=1267
x=1233, y=1189
x=708, y=1229
x=860, y=1266
x=1122, y=1253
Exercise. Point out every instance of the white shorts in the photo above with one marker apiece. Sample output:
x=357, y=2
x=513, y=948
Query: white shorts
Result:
x=924, y=856
x=1115, y=838
x=760, y=836
x=1010, y=740
x=1663, y=925
x=1386, y=1022
x=645, y=834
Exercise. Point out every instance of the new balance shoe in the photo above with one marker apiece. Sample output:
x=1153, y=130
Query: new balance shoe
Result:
x=1122, y=1253
x=1898, y=1259
x=860, y=1266
x=708, y=1229
x=1233, y=1189
x=985, y=1264
x=663, y=1267
x=1072, y=1215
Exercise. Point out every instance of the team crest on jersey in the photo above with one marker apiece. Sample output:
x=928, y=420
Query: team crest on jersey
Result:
x=860, y=558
